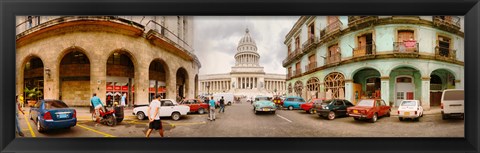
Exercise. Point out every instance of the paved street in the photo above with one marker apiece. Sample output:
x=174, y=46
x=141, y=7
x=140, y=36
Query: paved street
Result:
x=240, y=121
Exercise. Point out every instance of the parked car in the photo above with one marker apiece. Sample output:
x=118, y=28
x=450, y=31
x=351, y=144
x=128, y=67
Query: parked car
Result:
x=195, y=105
x=410, y=109
x=52, y=114
x=168, y=108
x=264, y=106
x=452, y=103
x=293, y=102
x=261, y=98
x=308, y=107
x=333, y=108
x=369, y=109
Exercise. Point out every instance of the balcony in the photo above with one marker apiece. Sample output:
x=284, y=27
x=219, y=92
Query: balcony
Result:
x=358, y=20
x=297, y=72
x=447, y=54
x=333, y=27
x=448, y=22
x=292, y=55
x=289, y=75
x=335, y=58
x=364, y=50
x=311, y=66
x=307, y=45
x=406, y=49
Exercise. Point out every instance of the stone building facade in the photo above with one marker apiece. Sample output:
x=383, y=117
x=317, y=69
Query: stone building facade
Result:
x=387, y=57
x=247, y=77
x=72, y=57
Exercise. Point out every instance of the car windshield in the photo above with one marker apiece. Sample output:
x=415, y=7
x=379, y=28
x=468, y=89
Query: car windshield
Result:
x=453, y=95
x=409, y=103
x=261, y=98
x=55, y=104
x=326, y=102
x=365, y=103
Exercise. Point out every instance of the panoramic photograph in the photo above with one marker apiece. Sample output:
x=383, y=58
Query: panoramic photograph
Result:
x=239, y=76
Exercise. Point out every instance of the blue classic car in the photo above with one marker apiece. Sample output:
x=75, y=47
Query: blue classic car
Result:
x=264, y=106
x=53, y=114
x=293, y=102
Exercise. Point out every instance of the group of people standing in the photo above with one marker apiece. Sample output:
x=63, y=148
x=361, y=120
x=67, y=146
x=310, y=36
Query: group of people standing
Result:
x=211, y=102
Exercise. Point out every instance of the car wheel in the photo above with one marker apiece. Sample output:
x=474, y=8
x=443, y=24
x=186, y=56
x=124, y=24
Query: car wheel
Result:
x=201, y=111
x=141, y=115
x=331, y=115
x=356, y=119
x=444, y=117
x=416, y=119
x=388, y=113
x=311, y=111
x=229, y=103
x=176, y=116
x=111, y=121
x=39, y=127
x=400, y=118
x=255, y=111
x=374, y=118
x=290, y=107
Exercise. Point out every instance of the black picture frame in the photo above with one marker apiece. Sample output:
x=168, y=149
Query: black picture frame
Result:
x=10, y=9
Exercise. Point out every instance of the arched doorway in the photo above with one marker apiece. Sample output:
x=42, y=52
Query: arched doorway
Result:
x=157, y=73
x=298, y=88
x=440, y=80
x=120, y=78
x=313, y=87
x=75, y=79
x=182, y=83
x=196, y=86
x=405, y=82
x=366, y=84
x=335, y=86
x=33, y=80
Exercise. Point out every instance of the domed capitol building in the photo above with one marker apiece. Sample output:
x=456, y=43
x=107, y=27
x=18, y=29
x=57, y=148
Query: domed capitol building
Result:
x=247, y=77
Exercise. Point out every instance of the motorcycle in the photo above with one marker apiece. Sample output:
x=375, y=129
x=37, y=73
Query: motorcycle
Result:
x=109, y=116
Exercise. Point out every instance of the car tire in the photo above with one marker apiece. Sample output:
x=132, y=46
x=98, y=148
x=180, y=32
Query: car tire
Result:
x=331, y=115
x=229, y=103
x=416, y=119
x=201, y=111
x=374, y=118
x=356, y=119
x=140, y=115
x=311, y=111
x=255, y=111
x=111, y=121
x=388, y=113
x=39, y=127
x=444, y=117
x=175, y=116
x=400, y=118
x=290, y=107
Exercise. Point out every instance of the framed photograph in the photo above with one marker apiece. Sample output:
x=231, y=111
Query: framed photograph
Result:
x=245, y=76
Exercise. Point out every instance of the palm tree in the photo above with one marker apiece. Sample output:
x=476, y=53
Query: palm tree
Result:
x=33, y=94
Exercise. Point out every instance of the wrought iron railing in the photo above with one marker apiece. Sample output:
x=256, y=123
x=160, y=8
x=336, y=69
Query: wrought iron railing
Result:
x=353, y=20
x=447, y=21
x=445, y=52
x=335, y=58
x=364, y=50
x=333, y=27
x=310, y=66
x=153, y=25
x=312, y=40
x=405, y=47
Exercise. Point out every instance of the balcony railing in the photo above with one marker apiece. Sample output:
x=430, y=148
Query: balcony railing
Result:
x=449, y=21
x=310, y=66
x=355, y=20
x=405, y=47
x=289, y=75
x=335, y=58
x=445, y=53
x=168, y=34
x=333, y=27
x=364, y=50
x=297, y=72
x=312, y=40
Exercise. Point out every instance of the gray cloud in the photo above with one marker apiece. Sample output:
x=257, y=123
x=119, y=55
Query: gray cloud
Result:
x=216, y=39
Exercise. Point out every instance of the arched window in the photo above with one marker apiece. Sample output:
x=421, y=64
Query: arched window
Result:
x=298, y=87
x=335, y=82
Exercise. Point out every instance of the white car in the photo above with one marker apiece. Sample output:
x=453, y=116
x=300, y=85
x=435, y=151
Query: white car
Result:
x=169, y=108
x=410, y=109
x=452, y=103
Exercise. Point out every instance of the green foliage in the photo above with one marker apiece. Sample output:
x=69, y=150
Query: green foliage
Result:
x=33, y=93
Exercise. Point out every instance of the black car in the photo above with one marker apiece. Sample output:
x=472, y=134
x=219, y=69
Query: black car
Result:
x=330, y=109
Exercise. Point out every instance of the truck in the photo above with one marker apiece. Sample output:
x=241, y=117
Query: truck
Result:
x=228, y=97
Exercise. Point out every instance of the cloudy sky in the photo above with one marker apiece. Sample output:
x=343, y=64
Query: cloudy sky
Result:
x=216, y=40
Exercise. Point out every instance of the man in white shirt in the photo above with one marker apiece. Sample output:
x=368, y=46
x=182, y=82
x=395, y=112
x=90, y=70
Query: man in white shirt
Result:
x=154, y=116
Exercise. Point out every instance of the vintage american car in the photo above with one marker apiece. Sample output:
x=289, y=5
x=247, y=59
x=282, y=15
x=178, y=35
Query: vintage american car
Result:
x=264, y=106
x=308, y=107
x=195, y=105
x=410, y=109
x=168, y=108
x=293, y=102
x=369, y=109
x=52, y=114
x=333, y=108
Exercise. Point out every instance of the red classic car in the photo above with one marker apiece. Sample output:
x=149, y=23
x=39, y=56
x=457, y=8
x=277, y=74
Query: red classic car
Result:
x=308, y=107
x=369, y=109
x=196, y=105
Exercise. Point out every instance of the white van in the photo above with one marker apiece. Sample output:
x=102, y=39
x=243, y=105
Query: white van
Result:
x=228, y=97
x=453, y=103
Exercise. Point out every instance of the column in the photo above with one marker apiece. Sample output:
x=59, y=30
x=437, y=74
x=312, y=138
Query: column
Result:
x=349, y=90
x=425, y=101
x=385, y=89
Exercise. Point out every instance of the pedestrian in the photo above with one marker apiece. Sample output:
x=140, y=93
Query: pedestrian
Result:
x=124, y=97
x=97, y=105
x=222, y=105
x=212, y=109
x=18, y=108
x=154, y=116
x=22, y=102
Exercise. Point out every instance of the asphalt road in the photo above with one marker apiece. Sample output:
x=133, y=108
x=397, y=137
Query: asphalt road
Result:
x=239, y=120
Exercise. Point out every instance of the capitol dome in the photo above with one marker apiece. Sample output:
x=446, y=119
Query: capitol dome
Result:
x=247, y=43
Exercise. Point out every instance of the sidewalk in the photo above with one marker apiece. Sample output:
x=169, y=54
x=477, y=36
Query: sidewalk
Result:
x=433, y=110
